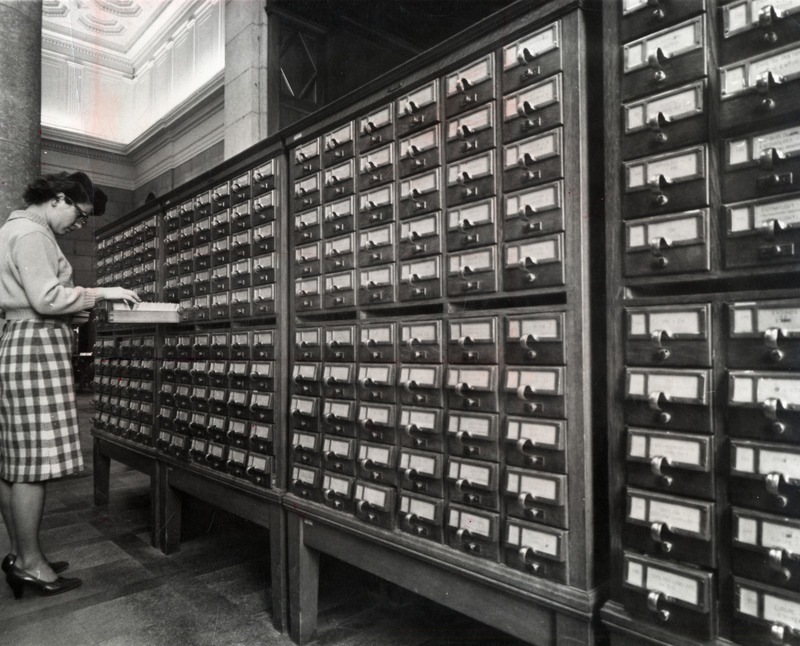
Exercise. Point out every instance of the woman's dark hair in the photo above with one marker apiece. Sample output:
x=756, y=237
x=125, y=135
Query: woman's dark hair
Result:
x=76, y=186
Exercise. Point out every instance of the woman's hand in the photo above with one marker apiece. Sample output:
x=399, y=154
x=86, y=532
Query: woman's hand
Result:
x=118, y=294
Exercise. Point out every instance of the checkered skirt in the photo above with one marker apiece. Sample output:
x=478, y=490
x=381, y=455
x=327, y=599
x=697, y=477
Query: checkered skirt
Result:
x=38, y=417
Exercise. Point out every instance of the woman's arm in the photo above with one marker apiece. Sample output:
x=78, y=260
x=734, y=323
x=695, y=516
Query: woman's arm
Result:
x=35, y=259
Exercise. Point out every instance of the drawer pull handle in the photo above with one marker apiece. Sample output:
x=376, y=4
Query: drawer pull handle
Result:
x=526, y=109
x=771, y=228
x=653, y=601
x=659, y=337
x=657, y=531
x=772, y=408
x=657, y=465
x=776, y=563
x=463, y=535
x=777, y=634
x=657, y=245
x=770, y=158
x=773, y=483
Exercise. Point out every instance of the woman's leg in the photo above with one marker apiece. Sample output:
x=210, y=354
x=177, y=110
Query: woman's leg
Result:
x=5, y=510
x=27, y=506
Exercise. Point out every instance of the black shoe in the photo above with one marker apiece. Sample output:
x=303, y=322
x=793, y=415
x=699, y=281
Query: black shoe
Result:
x=17, y=580
x=57, y=566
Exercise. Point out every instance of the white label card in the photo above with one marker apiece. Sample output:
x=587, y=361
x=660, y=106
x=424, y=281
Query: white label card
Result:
x=533, y=98
x=673, y=585
x=421, y=509
x=540, y=328
x=540, y=542
x=531, y=47
x=782, y=611
x=471, y=522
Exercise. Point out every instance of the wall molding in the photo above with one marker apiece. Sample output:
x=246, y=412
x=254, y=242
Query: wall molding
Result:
x=136, y=163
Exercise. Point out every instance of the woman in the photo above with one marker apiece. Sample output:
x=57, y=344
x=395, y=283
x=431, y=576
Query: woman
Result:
x=38, y=418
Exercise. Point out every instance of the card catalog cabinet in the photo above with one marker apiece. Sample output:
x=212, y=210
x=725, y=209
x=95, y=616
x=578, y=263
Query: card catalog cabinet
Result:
x=442, y=378
x=204, y=393
x=126, y=357
x=701, y=189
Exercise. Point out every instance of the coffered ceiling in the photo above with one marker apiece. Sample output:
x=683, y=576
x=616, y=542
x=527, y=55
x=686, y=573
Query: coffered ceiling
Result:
x=113, y=33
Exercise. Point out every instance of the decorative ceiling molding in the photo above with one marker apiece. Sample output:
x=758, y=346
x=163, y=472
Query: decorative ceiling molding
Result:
x=105, y=27
x=126, y=8
x=67, y=142
x=54, y=9
x=75, y=50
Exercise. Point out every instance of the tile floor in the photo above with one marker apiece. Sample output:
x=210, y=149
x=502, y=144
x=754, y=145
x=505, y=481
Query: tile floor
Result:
x=215, y=591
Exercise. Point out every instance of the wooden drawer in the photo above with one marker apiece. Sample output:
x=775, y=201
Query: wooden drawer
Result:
x=536, y=392
x=339, y=217
x=680, y=529
x=536, y=549
x=537, y=444
x=420, y=152
x=766, y=547
x=763, y=233
x=339, y=418
x=760, y=90
x=678, y=598
x=338, y=491
x=470, y=133
x=339, y=181
x=376, y=128
x=421, y=341
x=665, y=59
x=761, y=165
x=421, y=516
x=532, y=57
x=671, y=335
x=749, y=28
x=668, y=244
x=764, y=334
x=472, y=531
x=473, y=435
x=665, y=121
x=473, y=341
x=674, y=181
x=375, y=504
x=537, y=496
x=765, y=615
x=421, y=428
x=422, y=472
x=420, y=385
x=534, y=212
x=533, y=109
x=641, y=17
x=469, y=86
x=669, y=399
x=473, y=483
x=472, y=388
x=338, y=144
x=418, y=109
x=765, y=477
x=764, y=405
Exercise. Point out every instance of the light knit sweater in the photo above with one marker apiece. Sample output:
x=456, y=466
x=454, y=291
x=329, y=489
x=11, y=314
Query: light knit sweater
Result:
x=35, y=276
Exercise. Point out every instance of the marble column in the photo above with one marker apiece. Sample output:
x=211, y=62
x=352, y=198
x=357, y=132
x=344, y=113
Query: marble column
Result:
x=245, y=75
x=20, y=99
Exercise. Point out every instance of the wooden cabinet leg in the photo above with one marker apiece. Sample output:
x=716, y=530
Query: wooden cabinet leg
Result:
x=170, y=521
x=303, y=583
x=277, y=558
x=156, y=504
x=571, y=631
x=101, y=474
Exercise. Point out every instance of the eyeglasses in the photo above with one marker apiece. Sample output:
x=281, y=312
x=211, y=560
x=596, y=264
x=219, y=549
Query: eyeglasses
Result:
x=83, y=217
